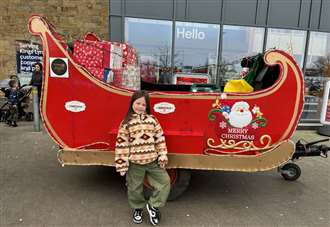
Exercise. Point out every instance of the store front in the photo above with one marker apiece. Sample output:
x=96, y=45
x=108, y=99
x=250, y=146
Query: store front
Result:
x=173, y=39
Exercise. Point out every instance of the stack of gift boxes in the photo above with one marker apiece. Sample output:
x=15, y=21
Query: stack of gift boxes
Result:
x=112, y=62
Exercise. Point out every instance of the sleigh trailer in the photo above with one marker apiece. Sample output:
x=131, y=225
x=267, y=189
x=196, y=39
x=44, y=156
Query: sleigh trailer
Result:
x=246, y=132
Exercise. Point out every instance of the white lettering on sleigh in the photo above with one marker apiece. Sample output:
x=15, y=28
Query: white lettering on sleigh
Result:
x=238, y=134
x=75, y=106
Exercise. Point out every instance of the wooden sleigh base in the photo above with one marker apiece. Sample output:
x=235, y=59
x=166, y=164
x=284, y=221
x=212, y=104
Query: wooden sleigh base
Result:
x=245, y=163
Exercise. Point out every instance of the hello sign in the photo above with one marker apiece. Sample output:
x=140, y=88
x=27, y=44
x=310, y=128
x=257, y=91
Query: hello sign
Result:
x=188, y=33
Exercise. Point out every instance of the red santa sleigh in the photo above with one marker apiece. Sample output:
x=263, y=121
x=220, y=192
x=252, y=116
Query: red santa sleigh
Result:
x=204, y=130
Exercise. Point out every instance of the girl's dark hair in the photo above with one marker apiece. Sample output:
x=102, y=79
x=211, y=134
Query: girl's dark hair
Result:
x=136, y=95
x=40, y=65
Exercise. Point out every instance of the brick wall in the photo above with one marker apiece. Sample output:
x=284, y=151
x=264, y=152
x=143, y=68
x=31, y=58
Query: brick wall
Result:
x=72, y=19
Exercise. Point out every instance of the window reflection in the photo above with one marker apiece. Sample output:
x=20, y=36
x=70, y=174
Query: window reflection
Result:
x=196, y=48
x=238, y=42
x=292, y=41
x=316, y=73
x=152, y=39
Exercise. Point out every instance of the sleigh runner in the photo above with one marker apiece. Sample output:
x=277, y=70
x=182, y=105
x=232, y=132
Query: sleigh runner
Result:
x=204, y=130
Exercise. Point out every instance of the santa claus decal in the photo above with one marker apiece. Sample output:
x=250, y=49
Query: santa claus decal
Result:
x=235, y=126
x=239, y=115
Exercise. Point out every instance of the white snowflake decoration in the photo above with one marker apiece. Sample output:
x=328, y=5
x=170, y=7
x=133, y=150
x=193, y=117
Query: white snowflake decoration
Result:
x=223, y=124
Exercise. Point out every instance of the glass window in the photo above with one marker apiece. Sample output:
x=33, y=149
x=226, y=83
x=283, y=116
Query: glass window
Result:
x=316, y=73
x=196, y=50
x=152, y=39
x=292, y=41
x=238, y=42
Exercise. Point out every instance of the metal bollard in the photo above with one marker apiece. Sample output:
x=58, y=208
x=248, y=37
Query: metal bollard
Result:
x=36, y=117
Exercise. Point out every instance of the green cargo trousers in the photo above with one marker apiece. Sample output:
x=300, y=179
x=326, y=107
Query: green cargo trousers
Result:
x=158, y=179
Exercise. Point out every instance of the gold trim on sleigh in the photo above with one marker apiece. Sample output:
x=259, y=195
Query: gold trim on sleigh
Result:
x=241, y=146
x=267, y=160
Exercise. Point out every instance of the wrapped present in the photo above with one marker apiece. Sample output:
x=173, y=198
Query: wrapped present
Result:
x=116, y=56
x=129, y=55
x=131, y=77
x=238, y=86
x=88, y=53
x=96, y=71
x=92, y=36
x=117, y=77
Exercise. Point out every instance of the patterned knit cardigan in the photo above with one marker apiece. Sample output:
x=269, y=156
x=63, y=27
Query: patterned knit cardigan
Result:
x=140, y=141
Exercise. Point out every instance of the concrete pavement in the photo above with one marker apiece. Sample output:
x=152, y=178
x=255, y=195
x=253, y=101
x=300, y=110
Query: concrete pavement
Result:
x=36, y=191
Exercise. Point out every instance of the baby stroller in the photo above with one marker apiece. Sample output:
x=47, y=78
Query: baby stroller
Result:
x=24, y=103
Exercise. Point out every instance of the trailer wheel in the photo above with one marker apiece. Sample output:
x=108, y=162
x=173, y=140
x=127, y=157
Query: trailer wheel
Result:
x=180, y=179
x=290, y=171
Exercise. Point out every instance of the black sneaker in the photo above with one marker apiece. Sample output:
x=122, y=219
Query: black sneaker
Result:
x=154, y=214
x=14, y=124
x=137, y=216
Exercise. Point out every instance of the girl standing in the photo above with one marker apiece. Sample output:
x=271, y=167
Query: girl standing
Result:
x=141, y=151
